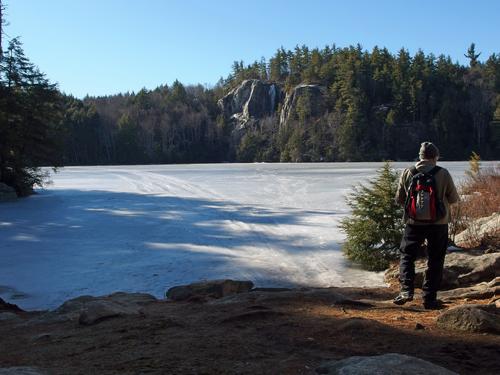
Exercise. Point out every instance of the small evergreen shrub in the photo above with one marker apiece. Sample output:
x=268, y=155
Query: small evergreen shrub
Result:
x=375, y=227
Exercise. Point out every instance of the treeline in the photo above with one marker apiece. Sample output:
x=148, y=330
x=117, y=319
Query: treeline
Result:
x=174, y=124
x=379, y=105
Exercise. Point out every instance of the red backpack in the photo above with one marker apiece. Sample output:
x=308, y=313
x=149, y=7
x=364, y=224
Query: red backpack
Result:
x=422, y=202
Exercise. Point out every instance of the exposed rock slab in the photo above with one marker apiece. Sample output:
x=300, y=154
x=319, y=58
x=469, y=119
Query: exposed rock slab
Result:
x=461, y=269
x=5, y=306
x=478, y=291
x=96, y=311
x=89, y=310
x=208, y=289
x=392, y=363
x=471, y=318
x=252, y=99
x=478, y=230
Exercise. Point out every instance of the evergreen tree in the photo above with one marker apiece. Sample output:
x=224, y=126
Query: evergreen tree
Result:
x=278, y=66
x=472, y=55
x=178, y=92
x=375, y=226
x=30, y=108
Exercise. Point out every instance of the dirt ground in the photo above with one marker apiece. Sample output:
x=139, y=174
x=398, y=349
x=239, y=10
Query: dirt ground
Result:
x=281, y=335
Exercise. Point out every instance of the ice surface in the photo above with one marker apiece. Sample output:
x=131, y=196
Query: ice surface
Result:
x=97, y=230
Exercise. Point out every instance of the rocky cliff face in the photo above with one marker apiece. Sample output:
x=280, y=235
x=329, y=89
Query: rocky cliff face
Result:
x=254, y=99
x=251, y=100
x=309, y=98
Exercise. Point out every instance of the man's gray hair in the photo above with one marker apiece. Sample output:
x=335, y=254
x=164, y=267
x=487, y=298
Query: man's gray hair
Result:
x=428, y=150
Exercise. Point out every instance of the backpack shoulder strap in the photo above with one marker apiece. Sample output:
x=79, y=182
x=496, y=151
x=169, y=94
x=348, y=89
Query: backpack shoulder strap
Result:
x=434, y=170
x=410, y=185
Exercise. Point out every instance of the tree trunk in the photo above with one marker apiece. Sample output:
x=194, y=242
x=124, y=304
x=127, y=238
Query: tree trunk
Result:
x=1, y=29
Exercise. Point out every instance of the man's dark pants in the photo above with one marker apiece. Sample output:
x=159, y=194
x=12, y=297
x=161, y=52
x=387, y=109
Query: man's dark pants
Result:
x=437, y=242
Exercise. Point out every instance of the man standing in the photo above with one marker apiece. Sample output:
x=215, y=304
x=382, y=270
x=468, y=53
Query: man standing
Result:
x=427, y=214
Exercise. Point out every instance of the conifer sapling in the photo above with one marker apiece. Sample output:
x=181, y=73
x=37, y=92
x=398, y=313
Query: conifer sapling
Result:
x=375, y=227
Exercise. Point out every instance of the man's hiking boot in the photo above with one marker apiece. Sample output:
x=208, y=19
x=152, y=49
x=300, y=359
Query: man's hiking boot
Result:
x=402, y=298
x=432, y=304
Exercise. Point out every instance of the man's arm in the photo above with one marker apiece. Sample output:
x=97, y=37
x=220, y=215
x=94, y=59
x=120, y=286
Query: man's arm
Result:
x=401, y=192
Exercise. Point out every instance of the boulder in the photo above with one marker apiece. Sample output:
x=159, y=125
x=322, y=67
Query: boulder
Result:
x=474, y=269
x=391, y=363
x=89, y=310
x=479, y=291
x=98, y=310
x=209, y=288
x=5, y=306
x=460, y=270
x=8, y=316
x=310, y=97
x=252, y=99
x=7, y=193
x=21, y=371
x=471, y=318
x=479, y=230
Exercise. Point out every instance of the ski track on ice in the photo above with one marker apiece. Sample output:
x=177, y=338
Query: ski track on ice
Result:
x=301, y=270
x=182, y=188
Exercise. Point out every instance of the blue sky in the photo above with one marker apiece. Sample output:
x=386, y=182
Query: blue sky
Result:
x=101, y=47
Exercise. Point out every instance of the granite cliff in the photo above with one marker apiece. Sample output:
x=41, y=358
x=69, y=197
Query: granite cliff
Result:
x=254, y=100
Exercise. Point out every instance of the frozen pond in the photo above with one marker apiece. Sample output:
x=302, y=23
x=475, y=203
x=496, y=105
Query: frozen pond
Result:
x=97, y=230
